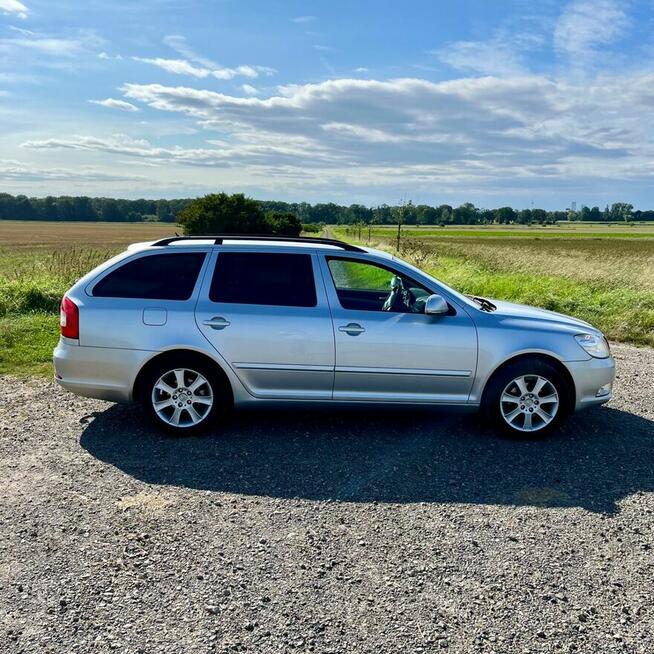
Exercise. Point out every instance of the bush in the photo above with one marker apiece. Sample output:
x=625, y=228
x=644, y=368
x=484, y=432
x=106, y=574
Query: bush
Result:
x=285, y=224
x=220, y=213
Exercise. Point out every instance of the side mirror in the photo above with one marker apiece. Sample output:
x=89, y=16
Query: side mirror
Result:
x=436, y=305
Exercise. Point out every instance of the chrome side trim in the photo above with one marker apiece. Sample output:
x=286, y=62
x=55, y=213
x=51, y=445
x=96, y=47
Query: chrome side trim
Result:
x=282, y=366
x=405, y=371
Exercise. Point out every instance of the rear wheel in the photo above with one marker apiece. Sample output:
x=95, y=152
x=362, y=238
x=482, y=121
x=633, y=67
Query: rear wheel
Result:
x=527, y=398
x=183, y=397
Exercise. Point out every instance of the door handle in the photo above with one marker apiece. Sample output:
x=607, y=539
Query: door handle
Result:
x=353, y=329
x=217, y=322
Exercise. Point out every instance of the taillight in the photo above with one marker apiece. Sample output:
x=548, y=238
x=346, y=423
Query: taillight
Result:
x=69, y=318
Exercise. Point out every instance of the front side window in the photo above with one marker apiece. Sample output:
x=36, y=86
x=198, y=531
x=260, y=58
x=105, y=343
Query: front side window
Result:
x=153, y=277
x=365, y=286
x=264, y=278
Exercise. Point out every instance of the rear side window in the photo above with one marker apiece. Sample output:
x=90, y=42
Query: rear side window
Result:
x=154, y=277
x=261, y=278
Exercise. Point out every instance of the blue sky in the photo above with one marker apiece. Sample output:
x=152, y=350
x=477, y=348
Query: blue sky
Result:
x=494, y=102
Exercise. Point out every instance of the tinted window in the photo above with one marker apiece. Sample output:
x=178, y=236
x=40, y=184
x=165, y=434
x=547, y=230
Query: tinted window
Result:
x=154, y=277
x=262, y=278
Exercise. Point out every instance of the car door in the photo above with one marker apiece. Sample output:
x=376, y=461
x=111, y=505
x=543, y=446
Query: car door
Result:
x=268, y=318
x=142, y=301
x=395, y=355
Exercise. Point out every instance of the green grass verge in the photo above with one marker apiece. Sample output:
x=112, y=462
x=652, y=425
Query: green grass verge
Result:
x=26, y=343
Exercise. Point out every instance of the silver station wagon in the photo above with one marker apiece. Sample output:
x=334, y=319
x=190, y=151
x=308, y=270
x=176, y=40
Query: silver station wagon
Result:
x=192, y=326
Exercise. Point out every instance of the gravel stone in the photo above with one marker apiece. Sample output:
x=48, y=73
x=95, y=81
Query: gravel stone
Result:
x=328, y=532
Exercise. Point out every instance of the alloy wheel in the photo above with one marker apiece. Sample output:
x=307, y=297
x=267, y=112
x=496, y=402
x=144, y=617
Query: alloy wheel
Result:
x=529, y=403
x=182, y=397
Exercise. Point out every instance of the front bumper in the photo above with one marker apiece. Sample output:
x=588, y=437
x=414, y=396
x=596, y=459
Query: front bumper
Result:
x=589, y=377
x=98, y=372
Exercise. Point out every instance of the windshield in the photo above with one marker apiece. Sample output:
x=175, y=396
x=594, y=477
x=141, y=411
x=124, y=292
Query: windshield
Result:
x=459, y=296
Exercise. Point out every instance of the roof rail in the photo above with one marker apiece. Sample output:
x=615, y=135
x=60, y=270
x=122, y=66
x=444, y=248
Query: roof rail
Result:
x=218, y=239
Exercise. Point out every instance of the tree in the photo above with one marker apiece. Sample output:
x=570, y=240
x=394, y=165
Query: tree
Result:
x=504, y=215
x=283, y=223
x=539, y=215
x=466, y=214
x=621, y=211
x=595, y=214
x=426, y=215
x=524, y=217
x=219, y=213
x=110, y=211
x=445, y=214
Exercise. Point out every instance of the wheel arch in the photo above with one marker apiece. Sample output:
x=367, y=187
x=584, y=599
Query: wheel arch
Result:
x=536, y=356
x=157, y=359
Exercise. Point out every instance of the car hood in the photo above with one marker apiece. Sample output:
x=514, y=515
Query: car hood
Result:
x=525, y=312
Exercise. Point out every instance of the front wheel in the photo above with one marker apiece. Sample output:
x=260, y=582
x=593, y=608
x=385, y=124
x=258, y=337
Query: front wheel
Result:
x=527, y=398
x=182, y=397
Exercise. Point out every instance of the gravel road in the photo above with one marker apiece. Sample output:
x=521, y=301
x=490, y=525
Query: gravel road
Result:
x=326, y=532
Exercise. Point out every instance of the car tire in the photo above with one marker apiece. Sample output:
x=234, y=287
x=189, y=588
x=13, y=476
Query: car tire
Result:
x=527, y=399
x=184, y=395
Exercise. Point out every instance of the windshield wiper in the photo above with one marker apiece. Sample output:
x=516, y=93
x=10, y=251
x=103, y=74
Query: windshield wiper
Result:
x=486, y=305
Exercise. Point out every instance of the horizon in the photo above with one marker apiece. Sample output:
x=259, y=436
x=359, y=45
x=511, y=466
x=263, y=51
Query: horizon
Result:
x=370, y=104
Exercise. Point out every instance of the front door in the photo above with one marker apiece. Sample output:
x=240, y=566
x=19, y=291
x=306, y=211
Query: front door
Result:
x=270, y=321
x=387, y=348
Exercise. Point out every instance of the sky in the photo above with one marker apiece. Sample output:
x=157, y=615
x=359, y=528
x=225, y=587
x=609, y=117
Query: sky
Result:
x=502, y=102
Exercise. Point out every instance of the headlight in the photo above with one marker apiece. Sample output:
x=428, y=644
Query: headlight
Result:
x=596, y=346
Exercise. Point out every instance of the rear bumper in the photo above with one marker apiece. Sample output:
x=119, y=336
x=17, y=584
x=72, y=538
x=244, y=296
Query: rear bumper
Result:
x=102, y=373
x=589, y=377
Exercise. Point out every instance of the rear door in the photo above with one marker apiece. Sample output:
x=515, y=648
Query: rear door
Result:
x=267, y=314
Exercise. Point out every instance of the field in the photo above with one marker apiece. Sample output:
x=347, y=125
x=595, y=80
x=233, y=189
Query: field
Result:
x=603, y=274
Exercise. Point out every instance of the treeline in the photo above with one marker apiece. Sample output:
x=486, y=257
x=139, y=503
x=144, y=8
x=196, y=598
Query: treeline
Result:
x=82, y=208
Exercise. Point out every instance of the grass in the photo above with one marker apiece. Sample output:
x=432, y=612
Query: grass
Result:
x=607, y=281
x=26, y=343
x=644, y=230
x=599, y=273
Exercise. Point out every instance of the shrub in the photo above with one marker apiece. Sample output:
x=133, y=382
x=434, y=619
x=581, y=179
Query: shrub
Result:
x=286, y=224
x=219, y=213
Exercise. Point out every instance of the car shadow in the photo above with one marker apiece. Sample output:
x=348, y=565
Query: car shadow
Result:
x=597, y=458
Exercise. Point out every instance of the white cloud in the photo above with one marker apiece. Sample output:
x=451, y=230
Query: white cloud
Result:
x=477, y=132
x=586, y=24
x=40, y=44
x=179, y=44
x=230, y=73
x=112, y=103
x=303, y=19
x=14, y=7
x=17, y=171
x=183, y=67
x=495, y=57
x=249, y=90
x=176, y=66
x=107, y=56
x=251, y=148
